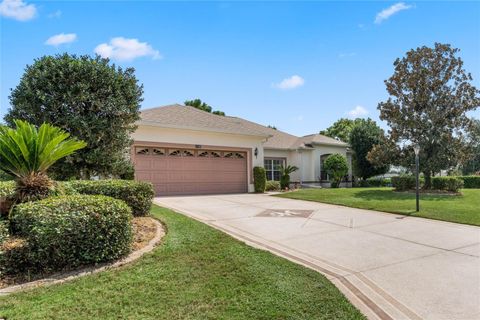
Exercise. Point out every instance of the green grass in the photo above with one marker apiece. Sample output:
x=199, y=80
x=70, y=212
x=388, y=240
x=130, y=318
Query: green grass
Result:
x=461, y=209
x=197, y=273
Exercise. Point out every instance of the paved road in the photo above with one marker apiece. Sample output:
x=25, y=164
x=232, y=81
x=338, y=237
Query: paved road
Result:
x=389, y=266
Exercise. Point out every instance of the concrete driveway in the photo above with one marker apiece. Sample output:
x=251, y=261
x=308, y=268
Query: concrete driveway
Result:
x=389, y=266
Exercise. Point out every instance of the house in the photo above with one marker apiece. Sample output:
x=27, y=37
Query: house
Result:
x=183, y=150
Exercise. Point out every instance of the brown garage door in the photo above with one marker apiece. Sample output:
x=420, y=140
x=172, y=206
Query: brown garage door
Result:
x=185, y=171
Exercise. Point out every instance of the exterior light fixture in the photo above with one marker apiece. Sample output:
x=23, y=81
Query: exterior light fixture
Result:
x=255, y=152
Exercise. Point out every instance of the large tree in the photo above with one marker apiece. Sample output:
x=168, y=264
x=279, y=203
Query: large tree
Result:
x=199, y=104
x=89, y=98
x=472, y=164
x=364, y=135
x=341, y=129
x=430, y=95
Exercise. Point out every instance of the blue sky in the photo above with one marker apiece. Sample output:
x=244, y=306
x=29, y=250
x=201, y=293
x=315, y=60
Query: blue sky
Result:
x=296, y=65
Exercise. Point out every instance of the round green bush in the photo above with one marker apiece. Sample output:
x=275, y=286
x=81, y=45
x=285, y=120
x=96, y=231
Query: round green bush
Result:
x=137, y=194
x=272, y=185
x=69, y=231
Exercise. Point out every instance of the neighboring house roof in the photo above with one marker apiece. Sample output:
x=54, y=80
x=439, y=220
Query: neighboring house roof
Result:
x=184, y=117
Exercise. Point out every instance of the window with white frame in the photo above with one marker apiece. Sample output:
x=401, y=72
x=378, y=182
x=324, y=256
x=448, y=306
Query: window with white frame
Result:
x=272, y=168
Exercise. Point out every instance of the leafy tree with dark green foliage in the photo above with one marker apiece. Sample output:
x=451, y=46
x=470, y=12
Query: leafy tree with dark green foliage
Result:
x=472, y=165
x=272, y=127
x=364, y=135
x=341, y=129
x=89, y=98
x=199, y=104
x=337, y=167
x=430, y=96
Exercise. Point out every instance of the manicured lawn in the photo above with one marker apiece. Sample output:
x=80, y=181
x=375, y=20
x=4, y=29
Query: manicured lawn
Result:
x=197, y=273
x=461, y=209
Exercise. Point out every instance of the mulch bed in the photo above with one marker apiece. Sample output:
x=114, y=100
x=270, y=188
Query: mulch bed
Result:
x=144, y=229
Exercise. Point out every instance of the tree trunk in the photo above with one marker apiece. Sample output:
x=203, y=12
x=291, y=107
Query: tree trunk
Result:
x=428, y=180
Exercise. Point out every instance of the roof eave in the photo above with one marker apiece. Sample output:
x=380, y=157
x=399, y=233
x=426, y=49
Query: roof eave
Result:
x=161, y=125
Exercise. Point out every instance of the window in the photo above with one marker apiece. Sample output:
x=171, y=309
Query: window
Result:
x=141, y=150
x=272, y=168
x=234, y=155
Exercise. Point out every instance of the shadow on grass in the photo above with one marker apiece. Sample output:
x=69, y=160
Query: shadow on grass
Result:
x=388, y=195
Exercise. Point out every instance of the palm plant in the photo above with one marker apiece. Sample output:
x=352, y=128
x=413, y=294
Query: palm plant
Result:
x=285, y=175
x=26, y=153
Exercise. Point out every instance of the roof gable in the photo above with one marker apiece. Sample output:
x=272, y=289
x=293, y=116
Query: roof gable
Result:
x=185, y=117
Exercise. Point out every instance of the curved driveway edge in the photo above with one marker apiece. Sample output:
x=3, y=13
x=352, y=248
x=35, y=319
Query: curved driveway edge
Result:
x=389, y=266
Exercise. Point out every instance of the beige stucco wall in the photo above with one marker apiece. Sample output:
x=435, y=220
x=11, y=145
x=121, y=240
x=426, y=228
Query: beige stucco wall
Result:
x=308, y=160
x=325, y=149
x=192, y=137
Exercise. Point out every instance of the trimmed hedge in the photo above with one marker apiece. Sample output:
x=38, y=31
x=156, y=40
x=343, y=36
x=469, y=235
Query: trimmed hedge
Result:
x=137, y=194
x=375, y=182
x=272, y=185
x=452, y=184
x=68, y=231
x=470, y=182
x=4, y=235
x=259, y=179
x=7, y=189
x=403, y=183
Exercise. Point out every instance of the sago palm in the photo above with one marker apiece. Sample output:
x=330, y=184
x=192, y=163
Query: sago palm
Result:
x=26, y=153
x=285, y=175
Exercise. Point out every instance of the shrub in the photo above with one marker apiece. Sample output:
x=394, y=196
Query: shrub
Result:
x=403, y=183
x=259, y=179
x=137, y=194
x=3, y=231
x=471, y=182
x=7, y=189
x=272, y=186
x=452, y=184
x=375, y=182
x=69, y=231
x=337, y=167
x=285, y=176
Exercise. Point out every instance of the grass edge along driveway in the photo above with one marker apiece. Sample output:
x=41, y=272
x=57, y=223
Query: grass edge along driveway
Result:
x=464, y=208
x=196, y=273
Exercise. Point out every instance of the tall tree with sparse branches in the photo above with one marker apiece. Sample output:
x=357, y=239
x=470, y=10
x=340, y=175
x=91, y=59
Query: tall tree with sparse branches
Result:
x=430, y=96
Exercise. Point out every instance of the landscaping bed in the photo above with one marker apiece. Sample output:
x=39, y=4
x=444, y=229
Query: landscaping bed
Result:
x=196, y=273
x=144, y=230
x=463, y=208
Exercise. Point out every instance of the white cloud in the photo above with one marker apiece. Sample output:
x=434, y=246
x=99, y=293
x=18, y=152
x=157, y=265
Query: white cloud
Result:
x=347, y=54
x=61, y=38
x=18, y=10
x=290, y=83
x=357, y=112
x=390, y=11
x=56, y=14
x=124, y=49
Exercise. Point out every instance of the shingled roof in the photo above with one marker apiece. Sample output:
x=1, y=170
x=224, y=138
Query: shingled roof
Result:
x=179, y=116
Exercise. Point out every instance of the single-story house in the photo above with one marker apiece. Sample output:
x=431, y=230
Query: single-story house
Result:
x=183, y=150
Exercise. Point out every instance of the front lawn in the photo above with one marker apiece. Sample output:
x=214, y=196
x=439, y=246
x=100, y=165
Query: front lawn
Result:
x=461, y=209
x=196, y=273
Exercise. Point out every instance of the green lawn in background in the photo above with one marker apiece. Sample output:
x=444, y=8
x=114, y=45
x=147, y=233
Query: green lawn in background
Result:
x=464, y=208
x=196, y=273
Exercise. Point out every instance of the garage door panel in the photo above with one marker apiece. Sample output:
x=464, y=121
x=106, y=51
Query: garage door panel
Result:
x=192, y=174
